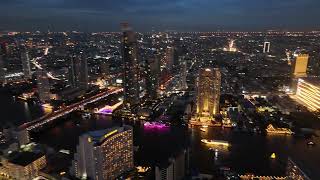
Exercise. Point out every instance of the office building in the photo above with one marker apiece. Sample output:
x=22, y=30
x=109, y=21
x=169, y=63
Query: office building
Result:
x=208, y=92
x=175, y=168
x=104, y=154
x=308, y=93
x=300, y=65
x=78, y=72
x=43, y=85
x=24, y=165
x=130, y=66
x=169, y=58
x=2, y=66
x=183, y=75
x=25, y=60
x=152, y=77
x=266, y=47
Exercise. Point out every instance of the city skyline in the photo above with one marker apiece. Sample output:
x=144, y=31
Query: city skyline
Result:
x=179, y=15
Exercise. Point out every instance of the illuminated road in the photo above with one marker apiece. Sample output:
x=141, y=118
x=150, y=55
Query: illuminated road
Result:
x=38, y=123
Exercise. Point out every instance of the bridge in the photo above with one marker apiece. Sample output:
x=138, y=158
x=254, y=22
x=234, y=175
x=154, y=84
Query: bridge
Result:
x=38, y=123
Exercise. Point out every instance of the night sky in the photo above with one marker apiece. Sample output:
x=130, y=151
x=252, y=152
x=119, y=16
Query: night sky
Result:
x=145, y=15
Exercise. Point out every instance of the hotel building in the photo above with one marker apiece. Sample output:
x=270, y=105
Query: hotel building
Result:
x=104, y=154
x=308, y=93
x=208, y=92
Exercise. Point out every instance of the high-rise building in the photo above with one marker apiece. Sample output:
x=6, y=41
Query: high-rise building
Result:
x=169, y=58
x=183, y=75
x=104, y=154
x=266, y=47
x=152, y=77
x=208, y=92
x=308, y=92
x=25, y=63
x=2, y=65
x=130, y=66
x=43, y=85
x=175, y=169
x=78, y=72
x=105, y=69
x=300, y=65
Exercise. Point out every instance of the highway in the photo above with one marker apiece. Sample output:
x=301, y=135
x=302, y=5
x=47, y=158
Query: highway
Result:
x=38, y=123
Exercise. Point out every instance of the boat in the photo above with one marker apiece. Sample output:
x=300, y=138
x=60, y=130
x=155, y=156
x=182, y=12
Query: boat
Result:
x=203, y=129
x=311, y=143
x=215, y=142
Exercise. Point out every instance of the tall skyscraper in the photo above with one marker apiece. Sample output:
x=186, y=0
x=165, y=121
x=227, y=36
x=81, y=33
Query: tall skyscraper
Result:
x=183, y=75
x=266, y=47
x=152, y=77
x=130, y=66
x=25, y=63
x=169, y=58
x=104, y=154
x=78, y=72
x=43, y=85
x=300, y=65
x=2, y=65
x=208, y=92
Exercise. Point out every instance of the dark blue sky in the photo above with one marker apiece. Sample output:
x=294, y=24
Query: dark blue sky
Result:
x=181, y=15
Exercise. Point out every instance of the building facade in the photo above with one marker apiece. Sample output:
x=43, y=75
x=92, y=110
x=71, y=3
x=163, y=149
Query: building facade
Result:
x=43, y=85
x=208, y=86
x=25, y=60
x=105, y=154
x=300, y=66
x=308, y=93
x=78, y=72
x=130, y=66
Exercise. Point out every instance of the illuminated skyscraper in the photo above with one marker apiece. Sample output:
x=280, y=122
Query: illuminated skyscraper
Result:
x=300, y=65
x=208, y=92
x=183, y=75
x=25, y=63
x=130, y=66
x=104, y=154
x=43, y=85
x=152, y=76
x=308, y=92
x=266, y=47
x=78, y=72
x=169, y=58
x=2, y=70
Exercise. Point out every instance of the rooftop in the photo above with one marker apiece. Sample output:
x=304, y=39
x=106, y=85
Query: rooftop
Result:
x=25, y=158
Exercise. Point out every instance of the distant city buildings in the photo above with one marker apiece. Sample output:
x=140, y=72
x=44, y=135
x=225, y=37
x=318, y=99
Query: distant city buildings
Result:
x=43, y=85
x=104, y=154
x=208, y=86
x=266, y=47
x=2, y=70
x=308, y=93
x=130, y=66
x=25, y=63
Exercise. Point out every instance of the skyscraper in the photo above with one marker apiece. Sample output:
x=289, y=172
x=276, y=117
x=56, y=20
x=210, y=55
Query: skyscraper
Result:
x=169, y=58
x=2, y=70
x=266, y=47
x=152, y=76
x=183, y=75
x=308, y=93
x=43, y=85
x=78, y=72
x=208, y=92
x=300, y=65
x=130, y=66
x=104, y=154
x=25, y=62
